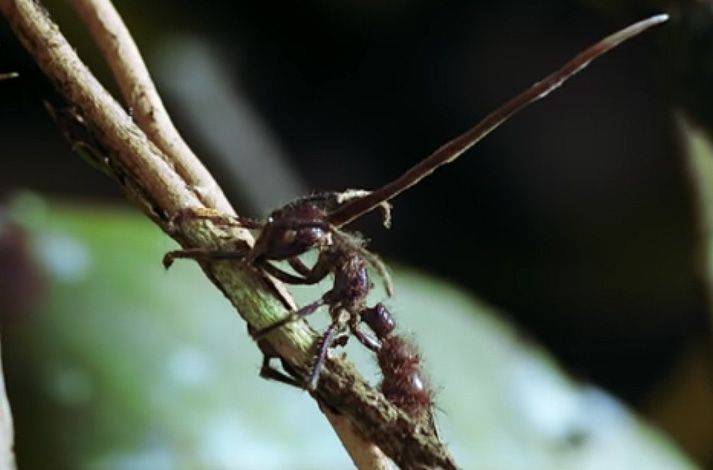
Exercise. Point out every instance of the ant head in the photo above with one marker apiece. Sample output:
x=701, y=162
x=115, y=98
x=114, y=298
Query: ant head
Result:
x=300, y=209
x=293, y=230
x=379, y=319
x=283, y=239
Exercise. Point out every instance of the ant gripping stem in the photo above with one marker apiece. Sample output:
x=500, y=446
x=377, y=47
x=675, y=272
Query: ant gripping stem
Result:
x=403, y=382
x=289, y=232
x=456, y=147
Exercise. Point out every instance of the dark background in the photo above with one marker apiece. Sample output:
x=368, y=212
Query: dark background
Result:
x=576, y=218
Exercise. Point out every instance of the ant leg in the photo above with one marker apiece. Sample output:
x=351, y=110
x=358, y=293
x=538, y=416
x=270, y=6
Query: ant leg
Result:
x=324, y=345
x=270, y=373
x=307, y=276
x=299, y=266
x=266, y=237
x=293, y=316
x=200, y=254
x=316, y=273
x=283, y=276
x=287, y=375
x=363, y=338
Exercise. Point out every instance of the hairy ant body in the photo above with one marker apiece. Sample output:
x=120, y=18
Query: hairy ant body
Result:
x=315, y=222
x=291, y=231
x=403, y=381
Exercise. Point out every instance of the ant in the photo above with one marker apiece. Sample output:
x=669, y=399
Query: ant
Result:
x=291, y=231
x=403, y=382
x=314, y=222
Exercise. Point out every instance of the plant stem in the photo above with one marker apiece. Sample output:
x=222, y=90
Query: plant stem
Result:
x=368, y=423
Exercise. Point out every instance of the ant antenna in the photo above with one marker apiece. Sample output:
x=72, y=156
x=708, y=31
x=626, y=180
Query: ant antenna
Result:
x=456, y=147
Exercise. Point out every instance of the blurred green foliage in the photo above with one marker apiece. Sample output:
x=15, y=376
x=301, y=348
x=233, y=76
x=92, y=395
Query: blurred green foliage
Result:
x=123, y=365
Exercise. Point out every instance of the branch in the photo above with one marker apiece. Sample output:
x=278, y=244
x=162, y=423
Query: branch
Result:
x=154, y=180
x=141, y=97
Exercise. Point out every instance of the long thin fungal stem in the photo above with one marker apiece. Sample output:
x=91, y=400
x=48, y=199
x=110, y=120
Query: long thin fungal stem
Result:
x=456, y=147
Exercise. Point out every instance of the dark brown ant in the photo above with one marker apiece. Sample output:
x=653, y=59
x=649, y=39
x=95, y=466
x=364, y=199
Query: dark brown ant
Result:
x=291, y=231
x=315, y=222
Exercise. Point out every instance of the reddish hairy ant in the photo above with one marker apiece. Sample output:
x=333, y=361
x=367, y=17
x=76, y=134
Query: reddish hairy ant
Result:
x=314, y=222
x=403, y=381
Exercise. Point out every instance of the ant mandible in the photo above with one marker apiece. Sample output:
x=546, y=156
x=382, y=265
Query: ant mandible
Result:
x=314, y=222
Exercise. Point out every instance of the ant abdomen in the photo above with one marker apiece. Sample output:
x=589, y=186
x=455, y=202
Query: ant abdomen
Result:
x=403, y=381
